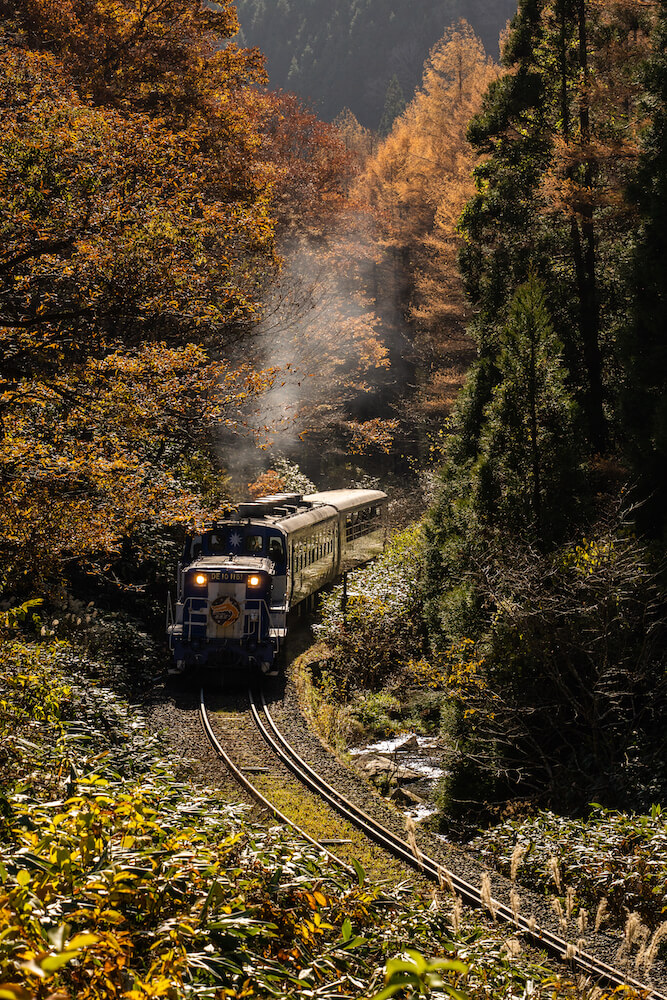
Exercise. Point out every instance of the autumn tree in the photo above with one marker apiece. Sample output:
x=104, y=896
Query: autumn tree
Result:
x=418, y=183
x=153, y=56
x=358, y=140
x=312, y=166
x=135, y=230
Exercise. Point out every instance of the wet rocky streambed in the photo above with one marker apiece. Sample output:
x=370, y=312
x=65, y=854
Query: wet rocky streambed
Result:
x=405, y=768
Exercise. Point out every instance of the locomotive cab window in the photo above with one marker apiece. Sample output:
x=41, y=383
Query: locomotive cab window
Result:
x=276, y=550
x=218, y=543
x=254, y=544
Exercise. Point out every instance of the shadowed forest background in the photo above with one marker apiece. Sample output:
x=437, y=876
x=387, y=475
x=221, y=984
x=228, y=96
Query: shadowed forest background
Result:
x=365, y=55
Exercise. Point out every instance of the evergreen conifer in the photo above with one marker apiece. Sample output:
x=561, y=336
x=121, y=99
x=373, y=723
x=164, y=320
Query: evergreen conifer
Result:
x=394, y=105
x=526, y=475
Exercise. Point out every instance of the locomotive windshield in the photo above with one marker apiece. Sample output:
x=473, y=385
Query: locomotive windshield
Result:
x=235, y=539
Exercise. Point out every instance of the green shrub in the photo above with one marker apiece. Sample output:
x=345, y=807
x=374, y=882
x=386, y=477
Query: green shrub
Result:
x=381, y=628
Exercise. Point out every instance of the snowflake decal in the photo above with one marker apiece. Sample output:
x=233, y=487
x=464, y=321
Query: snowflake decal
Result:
x=235, y=540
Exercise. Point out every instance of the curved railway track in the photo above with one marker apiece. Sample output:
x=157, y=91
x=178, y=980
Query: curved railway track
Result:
x=577, y=959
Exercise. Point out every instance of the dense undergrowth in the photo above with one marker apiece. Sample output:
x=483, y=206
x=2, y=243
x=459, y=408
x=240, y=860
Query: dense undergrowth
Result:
x=554, y=692
x=120, y=877
x=375, y=638
x=542, y=672
x=611, y=865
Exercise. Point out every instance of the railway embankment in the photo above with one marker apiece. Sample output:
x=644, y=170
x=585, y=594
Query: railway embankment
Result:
x=549, y=891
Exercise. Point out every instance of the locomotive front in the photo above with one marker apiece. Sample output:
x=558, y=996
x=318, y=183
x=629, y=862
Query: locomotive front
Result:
x=224, y=614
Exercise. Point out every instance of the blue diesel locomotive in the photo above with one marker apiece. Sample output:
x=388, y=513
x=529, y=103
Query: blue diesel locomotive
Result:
x=239, y=578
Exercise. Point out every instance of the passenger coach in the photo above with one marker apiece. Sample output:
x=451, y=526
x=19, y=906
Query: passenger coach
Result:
x=239, y=578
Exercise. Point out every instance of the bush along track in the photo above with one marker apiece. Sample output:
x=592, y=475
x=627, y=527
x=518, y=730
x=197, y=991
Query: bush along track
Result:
x=611, y=865
x=121, y=878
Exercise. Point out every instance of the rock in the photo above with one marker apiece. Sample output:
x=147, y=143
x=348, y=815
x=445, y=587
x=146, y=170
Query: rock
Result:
x=377, y=766
x=412, y=743
x=405, y=797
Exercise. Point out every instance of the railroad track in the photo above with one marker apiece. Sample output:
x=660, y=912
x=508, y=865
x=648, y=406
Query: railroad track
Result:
x=577, y=959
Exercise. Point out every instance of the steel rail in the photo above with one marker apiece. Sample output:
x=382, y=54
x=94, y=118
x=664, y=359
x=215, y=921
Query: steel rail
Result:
x=562, y=949
x=255, y=792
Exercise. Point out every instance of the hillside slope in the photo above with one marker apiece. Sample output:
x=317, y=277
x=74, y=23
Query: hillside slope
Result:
x=345, y=53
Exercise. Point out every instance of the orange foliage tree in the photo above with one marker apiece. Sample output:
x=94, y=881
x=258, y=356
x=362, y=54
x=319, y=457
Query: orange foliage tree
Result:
x=418, y=183
x=134, y=232
x=312, y=166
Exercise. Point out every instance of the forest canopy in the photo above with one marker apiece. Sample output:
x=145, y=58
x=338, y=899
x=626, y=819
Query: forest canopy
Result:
x=142, y=170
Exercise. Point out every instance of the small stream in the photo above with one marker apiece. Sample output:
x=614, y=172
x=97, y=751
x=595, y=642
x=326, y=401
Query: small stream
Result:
x=411, y=765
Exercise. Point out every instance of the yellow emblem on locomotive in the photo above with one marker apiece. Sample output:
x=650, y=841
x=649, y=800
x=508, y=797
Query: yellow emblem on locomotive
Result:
x=225, y=611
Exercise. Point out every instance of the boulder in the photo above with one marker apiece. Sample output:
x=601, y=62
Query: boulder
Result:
x=405, y=797
x=412, y=743
x=378, y=766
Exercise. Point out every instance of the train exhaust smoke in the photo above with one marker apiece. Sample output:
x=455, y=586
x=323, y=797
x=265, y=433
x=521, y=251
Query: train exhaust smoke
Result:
x=326, y=321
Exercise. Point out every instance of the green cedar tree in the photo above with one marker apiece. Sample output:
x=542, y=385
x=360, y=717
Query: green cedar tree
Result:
x=527, y=474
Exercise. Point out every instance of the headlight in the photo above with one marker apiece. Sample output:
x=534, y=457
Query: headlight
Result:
x=200, y=579
x=254, y=581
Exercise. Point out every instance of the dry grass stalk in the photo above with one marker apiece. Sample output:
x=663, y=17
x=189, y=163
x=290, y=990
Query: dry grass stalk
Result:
x=518, y=855
x=651, y=952
x=486, y=895
x=515, y=903
x=457, y=913
x=601, y=914
x=582, y=921
x=411, y=830
x=557, y=907
x=642, y=942
x=570, y=952
x=512, y=947
x=554, y=871
x=445, y=880
x=569, y=901
x=532, y=924
x=632, y=933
